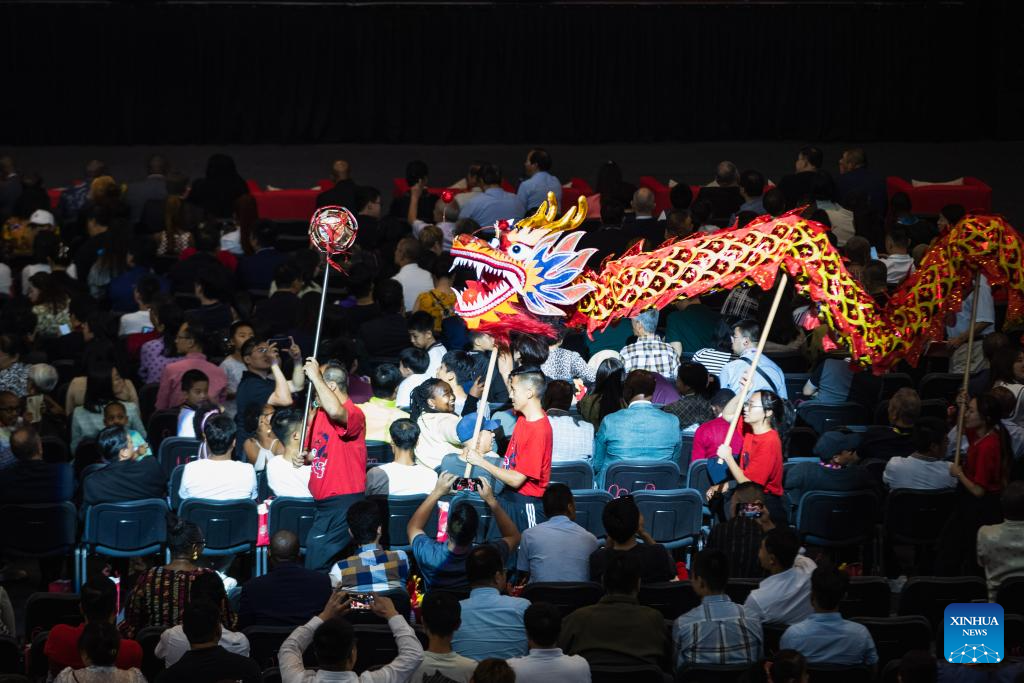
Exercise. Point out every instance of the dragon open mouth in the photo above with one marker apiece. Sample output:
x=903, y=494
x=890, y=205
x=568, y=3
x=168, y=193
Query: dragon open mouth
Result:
x=497, y=281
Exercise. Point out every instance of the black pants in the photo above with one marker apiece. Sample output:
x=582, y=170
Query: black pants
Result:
x=329, y=534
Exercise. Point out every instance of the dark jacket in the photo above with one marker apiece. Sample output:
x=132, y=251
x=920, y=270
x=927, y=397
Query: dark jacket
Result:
x=290, y=595
x=36, y=481
x=183, y=274
x=342, y=194
x=211, y=665
x=278, y=313
x=125, y=480
x=257, y=271
x=811, y=476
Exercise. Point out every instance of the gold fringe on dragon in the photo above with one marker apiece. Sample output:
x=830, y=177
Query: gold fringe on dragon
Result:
x=532, y=268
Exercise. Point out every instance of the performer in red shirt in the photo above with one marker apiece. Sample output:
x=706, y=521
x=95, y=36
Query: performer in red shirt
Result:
x=336, y=449
x=526, y=469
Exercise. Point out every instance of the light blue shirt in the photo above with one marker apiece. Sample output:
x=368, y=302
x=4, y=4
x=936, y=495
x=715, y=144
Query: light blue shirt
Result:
x=827, y=638
x=642, y=431
x=986, y=312
x=493, y=205
x=534, y=189
x=492, y=626
x=556, y=550
x=731, y=375
x=717, y=632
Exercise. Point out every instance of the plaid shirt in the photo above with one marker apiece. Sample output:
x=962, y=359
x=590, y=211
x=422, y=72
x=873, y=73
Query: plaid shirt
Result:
x=572, y=437
x=690, y=410
x=717, y=632
x=652, y=354
x=741, y=304
x=372, y=569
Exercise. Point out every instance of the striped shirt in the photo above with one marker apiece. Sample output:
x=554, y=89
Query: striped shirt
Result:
x=717, y=632
x=372, y=569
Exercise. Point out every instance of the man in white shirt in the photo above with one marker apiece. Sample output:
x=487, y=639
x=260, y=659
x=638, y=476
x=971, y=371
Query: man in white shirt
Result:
x=174, y=643
x=768, y=377
x=926, y=468
x=898, y=262
x=558, y=549
x=421, y=335
x=1001, y=546
x=442, y=616
x=404, y=476
x=287, y=475
x=784, y=597
x=414, y=280
x=539, y=181
x=984, y=323
x=336, y=646
x=546, y=662
x=145, y=290
x=413, y=364
x=218, y=477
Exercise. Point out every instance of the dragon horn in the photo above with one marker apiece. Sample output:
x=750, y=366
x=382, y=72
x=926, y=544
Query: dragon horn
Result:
x=544, y=214
x=571, y=219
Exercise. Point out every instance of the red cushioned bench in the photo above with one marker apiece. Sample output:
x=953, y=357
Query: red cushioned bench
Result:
x=973, y=195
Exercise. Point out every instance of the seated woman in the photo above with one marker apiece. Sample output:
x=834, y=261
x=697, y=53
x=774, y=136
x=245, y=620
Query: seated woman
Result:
x=50, y=304
x=160, y=595
x=101, y=369
x=156, y=354
x=433, y=410
x=606, y=398
x=263, y=444
x=98, y=647
x=103, y=385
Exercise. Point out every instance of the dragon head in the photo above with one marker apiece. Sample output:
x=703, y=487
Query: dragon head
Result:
x=530, y=269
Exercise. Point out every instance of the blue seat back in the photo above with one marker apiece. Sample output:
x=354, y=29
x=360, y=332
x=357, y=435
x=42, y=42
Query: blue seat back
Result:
x=229, y=526
x=577, y=474
x=293, y=514
x=126, y=529
x=697, y=476
x=379, y=452
x=38, y=529
x=177, y=450
x=685, y=450
x=400, y=509
x=589, y=507
x=161, y=425
x=623, y=478
x=825, y=416
x=837, y=519
x=673, y=517
x=174, y=487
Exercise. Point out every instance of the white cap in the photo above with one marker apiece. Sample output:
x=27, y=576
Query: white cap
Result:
x=41, y=217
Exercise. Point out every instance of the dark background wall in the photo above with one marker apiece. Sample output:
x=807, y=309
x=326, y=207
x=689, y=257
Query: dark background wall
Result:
x=209, y=73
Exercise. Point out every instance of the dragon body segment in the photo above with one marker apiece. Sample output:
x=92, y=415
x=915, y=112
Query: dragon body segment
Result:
x=534, y=269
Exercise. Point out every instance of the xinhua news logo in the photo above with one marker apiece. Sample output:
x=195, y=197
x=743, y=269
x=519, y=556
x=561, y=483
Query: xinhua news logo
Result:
x=973, y=633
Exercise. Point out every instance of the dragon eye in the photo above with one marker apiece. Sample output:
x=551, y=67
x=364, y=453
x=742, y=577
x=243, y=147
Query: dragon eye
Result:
x=516, y=249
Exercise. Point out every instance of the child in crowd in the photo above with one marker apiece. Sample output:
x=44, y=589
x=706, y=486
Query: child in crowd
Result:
x=439, y=302
x=115, y=415
x=196, y=386
x=421, y=335
x=412, y=364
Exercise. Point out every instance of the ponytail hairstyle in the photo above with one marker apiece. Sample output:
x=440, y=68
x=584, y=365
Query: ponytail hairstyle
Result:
x=611, y=374
x=421, y=394
x=782, y=415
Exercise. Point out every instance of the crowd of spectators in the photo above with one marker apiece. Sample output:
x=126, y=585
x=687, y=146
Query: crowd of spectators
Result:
x=134, y=312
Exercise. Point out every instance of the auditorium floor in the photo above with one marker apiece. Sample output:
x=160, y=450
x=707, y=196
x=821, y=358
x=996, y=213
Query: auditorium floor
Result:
x=997, y=163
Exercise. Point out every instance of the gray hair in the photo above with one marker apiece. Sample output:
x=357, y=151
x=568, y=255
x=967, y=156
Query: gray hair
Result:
x=726, y=174
x=44, y=376
x=337, y=374
x=648, y=320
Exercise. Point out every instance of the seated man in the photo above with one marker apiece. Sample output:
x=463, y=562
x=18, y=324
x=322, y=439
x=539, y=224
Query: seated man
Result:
x=218, y=476
x=649, y=352
x=372, y=568
x=784, y=596
x=126, y=476
x=827, y=475
x=617, y=440
x=334, y=642
x=380, y=410
x=1001, y=546
x=618, y=629
x=492, y=623
x=287, y=474
x=98, y=603
x=718, y=631
x=207, y=659
x=404, y=476
x=191, y=344
x=926, y=468
x=31, y=479
x=206, y=588
x=572, y=437
x=624, y=523
x=825, y=637
x=546, y=661
x=289, y=594
x=443, y=565
x=739, y=537
x=892, y=440
x=558, y=549
x=442, y=617
x=745, y=337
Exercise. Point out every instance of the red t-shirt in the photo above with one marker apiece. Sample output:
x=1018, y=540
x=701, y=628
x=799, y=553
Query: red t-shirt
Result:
x=529, y=453
x=761, y=459
x=226, y=258
x=339, y=454
x=984, y=464
x=62, y=649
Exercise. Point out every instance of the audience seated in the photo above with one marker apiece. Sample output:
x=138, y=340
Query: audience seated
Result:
x=649, y=352
x=205, y=262
x=212, y=655
x=380, y=410
x=432, y=408
x=455, y=463
x=799, y=186
x=99, y=647
x=263, y=382
x=196, y=387
x=695, y=388
x=641, y=224
x=218, y=476
x=558, y=549
x=718, y=631
x=31, y=479
x=739, y=536
x=894, y=439
x=925, y=469
x=372, y=568
x=783, y=596
x=572, y=437
x=710, y=435
x=279, y=313
x=1001, y=546
x=493, y=204
x=546, y=660
x=827, y=475
x=414, y=279
x=624, y=524
x=898, y=262
x=98, y=604
x=257, y=270
x=413, y=364
x=191, y=343
x=334, y=643
x=769, y=376
x=458, y=370
x=289, y=595
x=388, y=333
x=618, y=629
x=610, y=239
x=442, y=617
x=404, y=476
x=723, y=194
x=492, y=623
x=421, y=335
x=443, y=564
x=288, y=474
x=126, y=476
x=825, y=637
x=208, y=589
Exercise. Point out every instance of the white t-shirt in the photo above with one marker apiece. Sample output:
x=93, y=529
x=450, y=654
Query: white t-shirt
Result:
x=436, y=354
x=30, y=270
x=287, y=480
x=218, y=480
x=414, y=281
x=898, y=267
x=6, y=281
x=173, y=644
x=396, y=479
x=404, y=394
x=133, y=323
x=550, y=664
x=915, y=473
x=451, y=665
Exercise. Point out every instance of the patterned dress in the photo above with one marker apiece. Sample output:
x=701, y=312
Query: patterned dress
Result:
x=159, y=599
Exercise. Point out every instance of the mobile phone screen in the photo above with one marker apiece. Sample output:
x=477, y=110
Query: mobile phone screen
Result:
x=64, y=329
x=874, y=254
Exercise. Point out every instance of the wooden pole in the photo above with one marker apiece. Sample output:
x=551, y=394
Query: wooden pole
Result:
x=783, y=279
x=967, y=368
x=482, y=403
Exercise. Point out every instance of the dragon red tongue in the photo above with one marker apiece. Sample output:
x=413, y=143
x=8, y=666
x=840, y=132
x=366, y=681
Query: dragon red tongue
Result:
x=474, y=290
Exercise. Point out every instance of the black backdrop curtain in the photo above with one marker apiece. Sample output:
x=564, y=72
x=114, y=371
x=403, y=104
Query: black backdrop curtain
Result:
x=166, y=73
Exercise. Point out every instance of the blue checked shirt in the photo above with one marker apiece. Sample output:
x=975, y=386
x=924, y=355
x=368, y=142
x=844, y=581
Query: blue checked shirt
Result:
x=652, y=354
x=372, y=569
x=717, y=632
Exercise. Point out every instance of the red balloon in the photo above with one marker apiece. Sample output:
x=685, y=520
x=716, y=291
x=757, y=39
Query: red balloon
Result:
x=447, y=196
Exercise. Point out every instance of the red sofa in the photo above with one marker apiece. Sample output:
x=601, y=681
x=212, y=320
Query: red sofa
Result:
x=929, y=199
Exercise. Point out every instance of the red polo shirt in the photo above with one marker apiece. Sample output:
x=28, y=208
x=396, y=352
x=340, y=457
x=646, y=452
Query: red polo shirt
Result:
x=62, y=649
x=529, y=453
x=339, y=454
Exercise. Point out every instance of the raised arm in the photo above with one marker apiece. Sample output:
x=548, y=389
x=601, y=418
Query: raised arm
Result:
x=506, y=527
x=330, y=403
x=419, y=519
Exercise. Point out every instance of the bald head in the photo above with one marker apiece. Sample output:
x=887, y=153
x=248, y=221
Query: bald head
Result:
x=284, y=547
x=643, y=202
x=726, y=174
x=26, y=445
x=339, y=170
